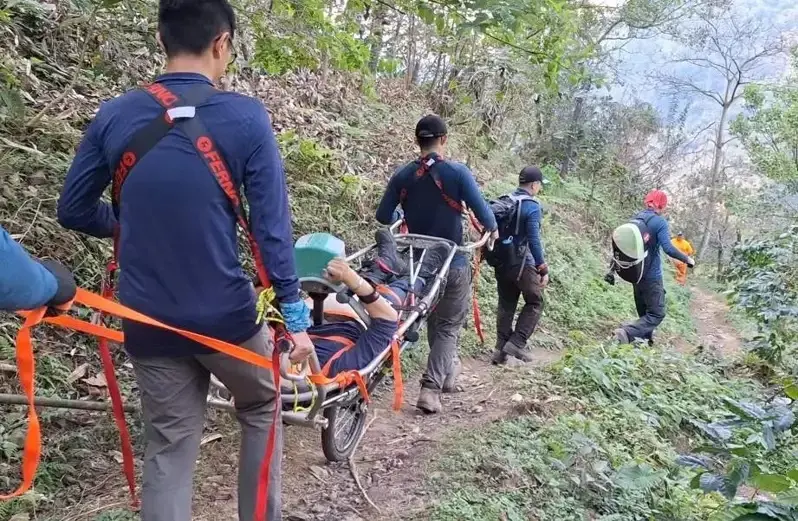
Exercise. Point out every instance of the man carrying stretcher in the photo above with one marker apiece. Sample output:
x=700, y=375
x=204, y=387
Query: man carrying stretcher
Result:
x=343, y=342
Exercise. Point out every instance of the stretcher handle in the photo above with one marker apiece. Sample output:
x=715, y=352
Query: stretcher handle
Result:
x=475, y=245
x=285, y=363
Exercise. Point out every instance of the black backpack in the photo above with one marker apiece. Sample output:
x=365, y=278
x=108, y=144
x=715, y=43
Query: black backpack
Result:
x=506, y=253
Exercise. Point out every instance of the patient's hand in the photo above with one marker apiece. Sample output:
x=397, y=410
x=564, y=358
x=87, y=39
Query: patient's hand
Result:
x=339, y=271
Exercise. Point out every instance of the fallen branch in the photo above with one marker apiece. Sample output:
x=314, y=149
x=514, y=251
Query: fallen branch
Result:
x=12, y=144
x=353, y=467
x=8, y=368
x=40, y=401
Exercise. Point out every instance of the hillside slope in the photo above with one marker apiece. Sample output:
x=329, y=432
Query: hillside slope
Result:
x=593, y=437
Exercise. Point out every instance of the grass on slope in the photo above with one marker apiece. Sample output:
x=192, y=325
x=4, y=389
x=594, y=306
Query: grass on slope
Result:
x=598, y=434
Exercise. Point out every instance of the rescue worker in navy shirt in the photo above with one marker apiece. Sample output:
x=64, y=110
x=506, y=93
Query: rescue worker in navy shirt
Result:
x=528, y=279
x=649, y=293
x=178, y=254
x=433, y=210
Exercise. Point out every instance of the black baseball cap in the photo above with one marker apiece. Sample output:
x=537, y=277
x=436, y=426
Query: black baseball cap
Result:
x=530, y=174
x=431, y=126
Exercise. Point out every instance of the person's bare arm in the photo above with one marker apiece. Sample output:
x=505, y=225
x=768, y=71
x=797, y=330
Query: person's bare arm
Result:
x=339, y=271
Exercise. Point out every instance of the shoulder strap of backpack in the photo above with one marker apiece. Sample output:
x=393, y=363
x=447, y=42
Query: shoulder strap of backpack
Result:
x=519, y=199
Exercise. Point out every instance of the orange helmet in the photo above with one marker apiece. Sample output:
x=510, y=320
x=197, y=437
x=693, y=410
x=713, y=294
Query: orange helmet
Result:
x=656, y=199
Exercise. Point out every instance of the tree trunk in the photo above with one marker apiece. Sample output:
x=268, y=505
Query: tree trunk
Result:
x=438, y=61
x=411, y=52
x=717, y=160
x=376, y=37
x=570, y=138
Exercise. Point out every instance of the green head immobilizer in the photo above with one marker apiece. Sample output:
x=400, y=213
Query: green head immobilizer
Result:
x=312, y=253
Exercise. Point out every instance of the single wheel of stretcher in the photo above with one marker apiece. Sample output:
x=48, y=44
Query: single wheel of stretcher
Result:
x=345, y=424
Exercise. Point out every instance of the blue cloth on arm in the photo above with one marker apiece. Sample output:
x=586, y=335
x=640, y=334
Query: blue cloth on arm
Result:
x=178, y=244
x=425, y=210
x=660, y=238
x=296, y=316
x=24, y=283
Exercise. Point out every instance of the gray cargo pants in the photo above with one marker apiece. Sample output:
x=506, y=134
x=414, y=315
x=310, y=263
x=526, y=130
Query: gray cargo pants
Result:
x=444, y=325
x=173, y=398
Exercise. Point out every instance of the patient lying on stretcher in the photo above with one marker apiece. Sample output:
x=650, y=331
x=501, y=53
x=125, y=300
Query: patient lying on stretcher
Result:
x=343, y=342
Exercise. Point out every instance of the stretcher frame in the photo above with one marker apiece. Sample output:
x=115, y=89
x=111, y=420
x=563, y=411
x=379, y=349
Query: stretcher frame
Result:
x=322, y=405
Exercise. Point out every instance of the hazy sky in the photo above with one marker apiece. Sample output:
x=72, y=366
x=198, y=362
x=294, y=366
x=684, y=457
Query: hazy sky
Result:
x=639, y=59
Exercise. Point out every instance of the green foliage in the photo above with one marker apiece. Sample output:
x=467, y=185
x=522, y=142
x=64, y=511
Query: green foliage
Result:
x=768, y=130
x=298, y=35
x=324, y=198
x=607, y=450
x=740, y=452
x=764, y=275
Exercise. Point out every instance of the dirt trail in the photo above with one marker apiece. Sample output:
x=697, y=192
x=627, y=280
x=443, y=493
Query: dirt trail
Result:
x=715, y=332
x=391, y=460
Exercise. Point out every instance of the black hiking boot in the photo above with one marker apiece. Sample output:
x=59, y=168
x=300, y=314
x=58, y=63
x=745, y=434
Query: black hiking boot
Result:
x=521, y=353
x=499, y=357
x=433, y=261
x=388, y=265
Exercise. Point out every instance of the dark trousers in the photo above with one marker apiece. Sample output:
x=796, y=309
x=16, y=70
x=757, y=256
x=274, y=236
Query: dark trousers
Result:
x=510, y=288
x=650, y=303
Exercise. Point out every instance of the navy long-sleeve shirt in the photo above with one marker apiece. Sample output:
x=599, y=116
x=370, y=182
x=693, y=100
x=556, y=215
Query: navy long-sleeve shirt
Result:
x=178, y=247
x=660, y=238
x=24, y=283
x=425, y=210
x=531, y=221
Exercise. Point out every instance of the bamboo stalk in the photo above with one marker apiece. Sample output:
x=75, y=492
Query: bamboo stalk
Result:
x=41, y=401
x=58, y=403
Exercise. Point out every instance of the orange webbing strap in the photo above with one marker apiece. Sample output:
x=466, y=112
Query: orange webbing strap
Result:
x=128, y=463
x=474, y=300
x=345, y=343
x=262, y=498
x=398, y=384
x=26, y=367
x=389, y=294
x=475, y=277
x=26, y=364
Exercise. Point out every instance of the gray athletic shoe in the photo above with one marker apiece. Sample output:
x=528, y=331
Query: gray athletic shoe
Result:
x=450, y=384
x=429, y=401
x=518, y=352
x=621, y=336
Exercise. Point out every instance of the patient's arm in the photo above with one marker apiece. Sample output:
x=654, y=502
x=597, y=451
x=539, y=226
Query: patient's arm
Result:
x=339, y=271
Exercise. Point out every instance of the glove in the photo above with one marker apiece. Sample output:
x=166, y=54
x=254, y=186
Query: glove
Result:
x=609, y=278
x=690, y=262
x=296, y=316
x=66, y=286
